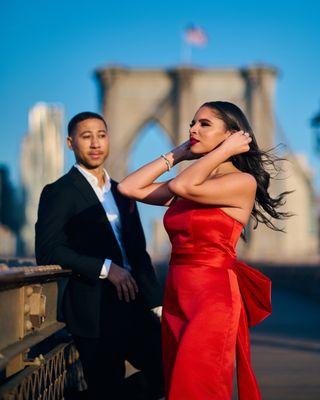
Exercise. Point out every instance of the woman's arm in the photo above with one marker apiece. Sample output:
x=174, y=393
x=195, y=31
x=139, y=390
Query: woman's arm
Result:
x=140, y=184
x=233, y=189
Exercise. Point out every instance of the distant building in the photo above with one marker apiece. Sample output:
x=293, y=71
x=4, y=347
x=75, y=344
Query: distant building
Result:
x=41, y=162
x=10, y=215
x=8, y=242
x=318, y=219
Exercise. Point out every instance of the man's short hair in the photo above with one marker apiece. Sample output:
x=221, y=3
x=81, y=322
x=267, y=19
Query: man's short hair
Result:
x=72, y=125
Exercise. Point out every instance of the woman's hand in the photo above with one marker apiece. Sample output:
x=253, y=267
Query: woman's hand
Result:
x=183, y=153
x=237, y=143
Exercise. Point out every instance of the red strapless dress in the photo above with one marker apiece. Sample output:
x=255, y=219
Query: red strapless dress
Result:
x=211, y=299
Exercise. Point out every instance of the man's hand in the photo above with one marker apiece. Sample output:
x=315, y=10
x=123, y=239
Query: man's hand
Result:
x=123, y=281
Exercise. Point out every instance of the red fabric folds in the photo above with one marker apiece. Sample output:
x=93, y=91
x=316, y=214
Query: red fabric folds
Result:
x=255, y=289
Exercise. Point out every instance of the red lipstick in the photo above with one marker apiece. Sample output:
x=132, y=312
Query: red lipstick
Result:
x=193, y=141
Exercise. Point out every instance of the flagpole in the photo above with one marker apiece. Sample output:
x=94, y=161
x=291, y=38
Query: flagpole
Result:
x=186, y=52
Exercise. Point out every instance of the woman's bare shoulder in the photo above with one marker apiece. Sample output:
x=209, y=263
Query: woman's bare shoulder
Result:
x=239, y=178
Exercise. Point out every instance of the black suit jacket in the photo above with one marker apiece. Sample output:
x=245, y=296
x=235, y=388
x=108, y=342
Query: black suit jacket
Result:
x=74, y=232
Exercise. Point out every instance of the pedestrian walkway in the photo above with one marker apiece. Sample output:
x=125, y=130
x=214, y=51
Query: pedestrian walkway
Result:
x=286, y=349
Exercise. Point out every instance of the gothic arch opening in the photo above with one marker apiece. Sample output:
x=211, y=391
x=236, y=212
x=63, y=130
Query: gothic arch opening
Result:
x=148, y=144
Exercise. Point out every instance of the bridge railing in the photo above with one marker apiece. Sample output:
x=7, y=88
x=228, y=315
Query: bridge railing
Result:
x=302, y=278
x=36, y=359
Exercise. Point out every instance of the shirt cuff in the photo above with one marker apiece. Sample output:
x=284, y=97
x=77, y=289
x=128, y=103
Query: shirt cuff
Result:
x=157, y=311
x=105, y=269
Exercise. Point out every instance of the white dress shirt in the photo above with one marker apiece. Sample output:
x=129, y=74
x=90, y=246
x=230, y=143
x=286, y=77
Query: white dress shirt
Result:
x=107, y=200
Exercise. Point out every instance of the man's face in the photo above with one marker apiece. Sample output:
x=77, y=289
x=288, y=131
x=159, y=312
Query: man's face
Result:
x=90, y=143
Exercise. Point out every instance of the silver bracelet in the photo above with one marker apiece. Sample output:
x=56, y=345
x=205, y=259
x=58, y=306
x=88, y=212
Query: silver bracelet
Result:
x=169, y=166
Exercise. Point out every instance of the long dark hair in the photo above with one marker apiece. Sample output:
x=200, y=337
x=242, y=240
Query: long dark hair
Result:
x=255, y=162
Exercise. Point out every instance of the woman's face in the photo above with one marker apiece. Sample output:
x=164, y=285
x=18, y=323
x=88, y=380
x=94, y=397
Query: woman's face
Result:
x=207, y=131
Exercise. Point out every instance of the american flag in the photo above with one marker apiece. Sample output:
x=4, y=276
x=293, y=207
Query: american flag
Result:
x=195, y=36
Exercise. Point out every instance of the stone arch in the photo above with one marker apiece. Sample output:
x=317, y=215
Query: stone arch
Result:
x=149, y=122
x=131, y=97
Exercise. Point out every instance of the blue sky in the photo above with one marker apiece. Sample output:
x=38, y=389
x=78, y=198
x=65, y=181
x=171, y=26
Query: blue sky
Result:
x=49, y=51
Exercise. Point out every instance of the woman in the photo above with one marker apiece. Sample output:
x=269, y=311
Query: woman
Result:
x=210, y=297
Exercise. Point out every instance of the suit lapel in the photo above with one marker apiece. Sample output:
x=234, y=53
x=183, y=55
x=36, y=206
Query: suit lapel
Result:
x=85, y=189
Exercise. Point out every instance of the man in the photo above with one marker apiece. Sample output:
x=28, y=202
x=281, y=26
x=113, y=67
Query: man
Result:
x=86, y=225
